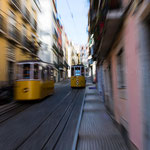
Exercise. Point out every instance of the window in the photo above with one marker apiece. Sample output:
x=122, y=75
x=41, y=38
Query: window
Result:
x=48, y=73
x=36, y=71
x=12, y=18
x=12, y=22
x=24, y=30
x=42, y=74
x=52, y=74
x=37, y=3
x=77, y=71
x=26, y=71
x=121, y=69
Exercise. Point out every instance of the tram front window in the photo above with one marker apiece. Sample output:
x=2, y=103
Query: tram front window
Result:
x=26, y=71
x=77, y=71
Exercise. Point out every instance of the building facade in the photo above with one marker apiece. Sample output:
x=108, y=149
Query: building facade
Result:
x=18, y=36
x=121, y=55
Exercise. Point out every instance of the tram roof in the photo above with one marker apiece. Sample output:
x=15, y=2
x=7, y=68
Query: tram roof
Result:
x=35, y=61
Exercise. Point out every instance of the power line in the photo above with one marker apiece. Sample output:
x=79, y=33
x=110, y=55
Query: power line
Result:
x=72, y=17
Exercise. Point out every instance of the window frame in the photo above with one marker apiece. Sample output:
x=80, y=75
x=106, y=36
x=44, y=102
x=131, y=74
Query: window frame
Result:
x=121, y=69
x=31, y=72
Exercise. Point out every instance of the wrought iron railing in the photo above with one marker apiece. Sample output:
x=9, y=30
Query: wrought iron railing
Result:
x=25, y=42
x=2, y=24
x=26, y=14
x=14, y=33
x=15, y=3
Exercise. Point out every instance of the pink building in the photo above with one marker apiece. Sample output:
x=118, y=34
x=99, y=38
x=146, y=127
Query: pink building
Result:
x=122, y=53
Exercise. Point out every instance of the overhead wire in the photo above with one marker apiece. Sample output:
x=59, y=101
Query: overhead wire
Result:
x=71, y=14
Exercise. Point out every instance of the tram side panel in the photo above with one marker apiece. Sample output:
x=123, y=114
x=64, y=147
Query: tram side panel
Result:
x=25, y=90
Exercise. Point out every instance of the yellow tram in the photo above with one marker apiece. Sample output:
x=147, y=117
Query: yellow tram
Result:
x=78, y=76
x=35, y=80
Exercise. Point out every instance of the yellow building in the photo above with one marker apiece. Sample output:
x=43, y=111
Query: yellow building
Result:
x=18, y=36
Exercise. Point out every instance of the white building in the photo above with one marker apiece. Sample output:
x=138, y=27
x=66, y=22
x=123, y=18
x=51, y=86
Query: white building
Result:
x=48, y=33
x=46, y=30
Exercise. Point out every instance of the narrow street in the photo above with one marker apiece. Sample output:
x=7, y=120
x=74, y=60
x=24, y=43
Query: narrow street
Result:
x=47, y=124
x=75, y=74
x=70, y=119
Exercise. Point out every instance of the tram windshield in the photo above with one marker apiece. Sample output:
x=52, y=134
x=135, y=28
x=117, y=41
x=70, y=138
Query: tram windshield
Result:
x=77, y=71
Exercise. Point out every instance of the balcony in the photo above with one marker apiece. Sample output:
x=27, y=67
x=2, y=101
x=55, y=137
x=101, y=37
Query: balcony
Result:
x=15, y=4
x=55, y=49
x=33, y=47
x=61, y=52
x=66, y=65
x=61, y=66
x=2, y=25
x=34, y=25
x=111, y=18
x=56, y=65
x=26, y=15
x=114, y=21
x=14, y=34
x=25, y=42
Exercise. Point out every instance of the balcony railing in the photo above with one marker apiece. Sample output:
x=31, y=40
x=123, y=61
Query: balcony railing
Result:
x=56, y=65
x=2, y=24
x=25, y=42
x=26, y=15
x=15, y=4
x=30, y=45
x=55, y=48
x=14, y=33
x=34, y=24
x=33, y=47
x=61, y=53
x=66, y=64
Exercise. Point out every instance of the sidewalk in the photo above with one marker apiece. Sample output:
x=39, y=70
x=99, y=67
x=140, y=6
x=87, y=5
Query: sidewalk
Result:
x=97, y=131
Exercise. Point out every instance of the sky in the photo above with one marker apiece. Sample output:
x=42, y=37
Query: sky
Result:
x=73, y=15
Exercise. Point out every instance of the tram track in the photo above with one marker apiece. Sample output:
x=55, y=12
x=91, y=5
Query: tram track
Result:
x=50, y=121
x=11, y=110
x=53, y=139
x=38, y=126
x=55, y=136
